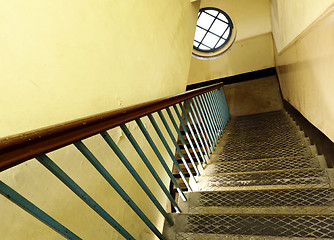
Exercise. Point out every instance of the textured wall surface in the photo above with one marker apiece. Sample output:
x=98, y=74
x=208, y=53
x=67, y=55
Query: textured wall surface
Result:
x=62, y=60
x=291, y=17
x=305, y=70
x=255, y=96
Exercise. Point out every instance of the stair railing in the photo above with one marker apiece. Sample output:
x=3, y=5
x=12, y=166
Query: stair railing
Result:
x=205, y=111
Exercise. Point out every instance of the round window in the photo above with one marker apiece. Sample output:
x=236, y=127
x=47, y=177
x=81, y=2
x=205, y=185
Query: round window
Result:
x=214, y=30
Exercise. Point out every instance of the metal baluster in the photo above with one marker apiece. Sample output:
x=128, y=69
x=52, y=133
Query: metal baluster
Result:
x=134, y=173
x=198, y=127
x=208, y=118
x=182, y=140
x=211, y=113
x=217, y=111
x=225, y=103
x=188, y=137
x=214, y=112
x=149, y=166
x=171, y=154
x=204, y=124
x=192, y=132
x=219, y=101
x=29, y=207
x=161, y=159
x=62, y=176
x=113, y=183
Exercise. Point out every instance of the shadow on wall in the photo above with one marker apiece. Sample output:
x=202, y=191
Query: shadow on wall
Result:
x=254, y=96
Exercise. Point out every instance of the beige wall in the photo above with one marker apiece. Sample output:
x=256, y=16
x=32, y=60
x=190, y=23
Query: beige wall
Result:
x=61, y=60
x=255, y=96
x=291, y=17
x=305, y=66
x=253, y=47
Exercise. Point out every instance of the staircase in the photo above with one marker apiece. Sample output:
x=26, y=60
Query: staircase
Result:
x=264, y=181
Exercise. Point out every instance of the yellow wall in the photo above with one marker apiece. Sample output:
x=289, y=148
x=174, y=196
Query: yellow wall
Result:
x=61, y=60
x=253, y=48
x=255, y=96
x=305, y=66
x=291, y=17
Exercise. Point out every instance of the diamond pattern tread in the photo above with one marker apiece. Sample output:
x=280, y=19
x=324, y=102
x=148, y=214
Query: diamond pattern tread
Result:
x=265, y=153
x=300, y=177
x=292, y=197
x=288, y=201
x=264, y=181
x=209, y=236
x=262, y=165
x=246, y=138
x=247, y=146
x=255, y=225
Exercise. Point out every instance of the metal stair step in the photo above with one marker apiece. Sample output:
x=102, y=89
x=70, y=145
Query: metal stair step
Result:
x=267, y=153
x=252, y=146
x=266, y=178
x=239, y=132
x=255, y=124
x=265, y=115
x=281, y=201
x=245, y=138
x=263, y=165
x=186, y=225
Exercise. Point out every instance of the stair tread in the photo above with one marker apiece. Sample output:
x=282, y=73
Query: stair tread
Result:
x=291, y=197
x=257, y=225
x=269, y=178
x=262, y=165
x=211, y=236
x=246, y=146
x=263, y=181
x=265, y=153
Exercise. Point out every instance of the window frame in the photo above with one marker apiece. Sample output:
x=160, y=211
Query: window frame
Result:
x=215, y=51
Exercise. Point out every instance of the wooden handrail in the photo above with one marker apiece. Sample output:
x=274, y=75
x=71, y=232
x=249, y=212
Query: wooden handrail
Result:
x=22, y=147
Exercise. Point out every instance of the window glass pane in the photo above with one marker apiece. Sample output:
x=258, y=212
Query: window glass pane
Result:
x=212, y=12
x=210, y=40
x=199, y=34
x=222, y=17
x=226, y=34
x=202, y=47
x=196, y=44
x=218, y=27
x=205, y=20
x=220, y=43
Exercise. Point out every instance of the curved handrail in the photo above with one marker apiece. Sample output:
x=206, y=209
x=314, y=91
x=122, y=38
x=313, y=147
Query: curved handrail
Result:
x=19, y=148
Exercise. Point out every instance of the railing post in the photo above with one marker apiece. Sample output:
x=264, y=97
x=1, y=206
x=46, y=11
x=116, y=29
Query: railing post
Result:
x=211, y=114
x=62, y=176
x=192, y=132
x=171, y=154
x=188, y=137
x=203, y=123
x=182, y=141
x=161, y=159
x=149, y=166
x=162, y=118
x=98, y=166
x=225, y=104
x=134, y=173
x=217, y=119
x=208, y=118
x=26, y=205
x=220, y=116
x=219, y=100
